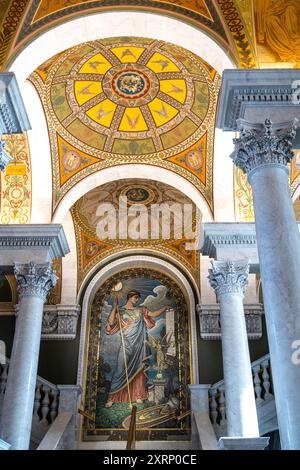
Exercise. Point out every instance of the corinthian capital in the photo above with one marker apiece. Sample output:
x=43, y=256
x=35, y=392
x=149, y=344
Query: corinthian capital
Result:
x=261, y=144
x=228, y=277
x=34, y=279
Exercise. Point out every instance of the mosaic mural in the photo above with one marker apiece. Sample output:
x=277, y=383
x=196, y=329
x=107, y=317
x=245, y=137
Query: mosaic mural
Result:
x=23, y=21
x=15, y=190
x=229, y=22
x=91, y=249
x=278, y=32
x=128, y=100
x=138, y=353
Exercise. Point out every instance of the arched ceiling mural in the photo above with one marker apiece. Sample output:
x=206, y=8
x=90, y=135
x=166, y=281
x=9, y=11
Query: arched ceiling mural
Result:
x=228, y=22
x=91, y=249
x=128, y=100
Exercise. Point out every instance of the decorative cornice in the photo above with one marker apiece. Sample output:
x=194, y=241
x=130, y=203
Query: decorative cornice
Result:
x=34, y=279
x=262, y=144
x=35, y=236
x=5, y=159
x=256, y=95
x=229, y=277
x=13, y=116
x=210, y=324
x=220, y=238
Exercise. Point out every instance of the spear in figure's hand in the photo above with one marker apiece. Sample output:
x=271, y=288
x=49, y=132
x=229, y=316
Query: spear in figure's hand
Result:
x=115, y=290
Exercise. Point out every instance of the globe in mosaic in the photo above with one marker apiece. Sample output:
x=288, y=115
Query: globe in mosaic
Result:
x=130, y=84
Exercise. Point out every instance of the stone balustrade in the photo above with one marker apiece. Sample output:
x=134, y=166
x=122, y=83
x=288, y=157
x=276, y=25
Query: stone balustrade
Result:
x=46, y=404
x=262, y=382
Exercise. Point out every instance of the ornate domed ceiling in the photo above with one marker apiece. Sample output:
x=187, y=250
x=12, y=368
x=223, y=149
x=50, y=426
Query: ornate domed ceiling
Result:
x=91, y=248
x=128, y=100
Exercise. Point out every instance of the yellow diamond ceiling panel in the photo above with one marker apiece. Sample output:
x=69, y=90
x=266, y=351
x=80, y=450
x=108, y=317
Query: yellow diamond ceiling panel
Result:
x=174, y=88
x=103, y=113
x=96, y=64
x=128, y=53
x=128, y=100
x=85, y=90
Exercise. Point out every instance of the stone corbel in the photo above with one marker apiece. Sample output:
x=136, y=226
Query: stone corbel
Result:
x=210, y=326
x=59, y=322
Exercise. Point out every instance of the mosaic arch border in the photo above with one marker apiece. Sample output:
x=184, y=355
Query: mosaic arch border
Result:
x=35, y=54
x=226, y=21
x=184, y=345
x=115, y=267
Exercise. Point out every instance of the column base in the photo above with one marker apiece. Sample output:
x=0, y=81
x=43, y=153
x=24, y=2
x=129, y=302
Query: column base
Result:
x=243, y=443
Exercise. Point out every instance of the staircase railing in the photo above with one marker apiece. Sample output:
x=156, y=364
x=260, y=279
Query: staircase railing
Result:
x=46, y=404
x=132, y=429
x=262, y=382
x=56, y=437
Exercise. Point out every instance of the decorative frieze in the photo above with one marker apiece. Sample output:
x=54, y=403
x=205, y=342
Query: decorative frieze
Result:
x=210, y=325
x=13, y=116
x=60, y=322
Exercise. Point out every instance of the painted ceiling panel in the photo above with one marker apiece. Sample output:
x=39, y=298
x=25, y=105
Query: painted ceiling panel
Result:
x=128, y=100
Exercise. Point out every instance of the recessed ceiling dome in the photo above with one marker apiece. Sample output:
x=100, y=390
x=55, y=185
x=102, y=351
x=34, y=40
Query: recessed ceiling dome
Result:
x=130, y=96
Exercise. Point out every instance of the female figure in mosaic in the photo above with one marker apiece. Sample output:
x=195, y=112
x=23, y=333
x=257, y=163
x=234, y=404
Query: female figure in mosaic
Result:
x=129, y=380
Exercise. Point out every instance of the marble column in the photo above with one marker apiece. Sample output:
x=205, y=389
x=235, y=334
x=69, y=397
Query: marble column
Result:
x=263, y=151
x=34, y=282
x=229, y=279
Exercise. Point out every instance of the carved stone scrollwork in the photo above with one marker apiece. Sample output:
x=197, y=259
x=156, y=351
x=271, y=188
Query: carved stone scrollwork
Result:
x=229, y=277
x=210, y=324
x=60, y=322
x=34, y=279
x=261, y=144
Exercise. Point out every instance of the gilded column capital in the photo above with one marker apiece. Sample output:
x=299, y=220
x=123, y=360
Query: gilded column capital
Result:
x=262, y=144
x=34, y=279
x=229, y=277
